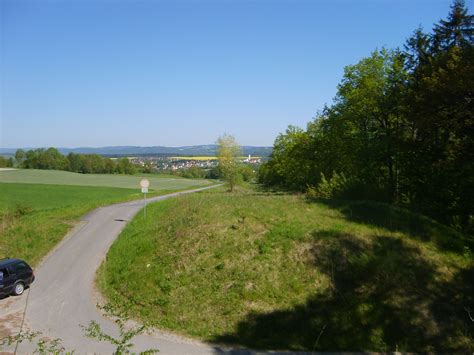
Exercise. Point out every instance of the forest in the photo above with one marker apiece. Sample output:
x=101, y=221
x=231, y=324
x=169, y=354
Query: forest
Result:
x=399, y=130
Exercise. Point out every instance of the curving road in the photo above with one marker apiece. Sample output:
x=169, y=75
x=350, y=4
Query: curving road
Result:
x=63, y=295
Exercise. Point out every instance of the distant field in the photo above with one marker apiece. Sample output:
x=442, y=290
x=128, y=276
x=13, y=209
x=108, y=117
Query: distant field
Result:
x=39, y=197
x=56, y=177
x=275, y=271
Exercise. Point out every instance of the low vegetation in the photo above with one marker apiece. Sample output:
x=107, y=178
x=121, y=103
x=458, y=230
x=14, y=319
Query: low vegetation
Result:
x=122, y=342
x=277, y=271
x=43, y=345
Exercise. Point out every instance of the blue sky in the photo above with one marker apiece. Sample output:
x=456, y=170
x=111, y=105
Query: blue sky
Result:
x=98, y=73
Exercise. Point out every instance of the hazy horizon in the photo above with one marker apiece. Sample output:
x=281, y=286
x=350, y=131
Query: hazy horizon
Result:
x=134, y=146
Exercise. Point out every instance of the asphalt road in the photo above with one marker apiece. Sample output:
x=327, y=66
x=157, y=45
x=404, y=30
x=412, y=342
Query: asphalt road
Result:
x=63, y=295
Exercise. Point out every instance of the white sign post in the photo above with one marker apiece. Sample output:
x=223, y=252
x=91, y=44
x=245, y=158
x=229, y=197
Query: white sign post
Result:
x=144, y=184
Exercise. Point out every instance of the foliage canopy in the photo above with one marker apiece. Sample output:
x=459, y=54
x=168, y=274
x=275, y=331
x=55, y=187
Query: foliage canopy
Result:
x=400, y=129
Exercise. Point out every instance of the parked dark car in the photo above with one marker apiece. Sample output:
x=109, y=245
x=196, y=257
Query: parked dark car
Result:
x=15, y=276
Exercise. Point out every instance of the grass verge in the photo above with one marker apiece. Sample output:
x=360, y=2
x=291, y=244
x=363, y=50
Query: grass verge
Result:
x=275, y=271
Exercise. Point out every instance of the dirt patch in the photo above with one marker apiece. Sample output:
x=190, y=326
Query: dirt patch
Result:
x=10, y=324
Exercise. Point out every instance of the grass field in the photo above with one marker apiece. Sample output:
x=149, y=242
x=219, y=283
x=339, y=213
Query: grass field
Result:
x=56, y=177
x=275, y=271
x=35, y=214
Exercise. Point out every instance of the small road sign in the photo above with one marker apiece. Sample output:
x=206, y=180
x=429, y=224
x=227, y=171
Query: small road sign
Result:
x=144, y=184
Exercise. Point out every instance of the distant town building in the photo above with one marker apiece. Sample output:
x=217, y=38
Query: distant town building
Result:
x=177, y=163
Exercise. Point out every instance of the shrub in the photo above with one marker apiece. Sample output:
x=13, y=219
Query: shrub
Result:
x=335, y=187
x=247, y=172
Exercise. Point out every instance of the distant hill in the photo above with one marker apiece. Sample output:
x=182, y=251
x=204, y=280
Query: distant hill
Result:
x=194, y=150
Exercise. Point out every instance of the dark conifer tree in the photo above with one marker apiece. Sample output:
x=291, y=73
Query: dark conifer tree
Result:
x=417, y=49
x=457, y=30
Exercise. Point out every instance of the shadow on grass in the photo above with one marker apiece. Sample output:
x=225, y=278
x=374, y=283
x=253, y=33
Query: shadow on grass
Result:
x=384, y=296
x=397, y=219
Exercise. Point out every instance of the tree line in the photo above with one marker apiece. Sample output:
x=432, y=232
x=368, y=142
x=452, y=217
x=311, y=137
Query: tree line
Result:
x=6, y=162
x=400, y=129
x=52, y=159
x=244, y=172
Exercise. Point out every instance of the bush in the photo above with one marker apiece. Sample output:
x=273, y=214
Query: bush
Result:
x=335, y=187
x=247, y=172
x=193, y=173
x=214, y=173
x=341, y=187
x=6, y=163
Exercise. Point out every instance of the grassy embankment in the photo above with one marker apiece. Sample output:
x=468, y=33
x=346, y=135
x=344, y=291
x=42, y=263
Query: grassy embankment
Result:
x=275, y=271
x=38, y=207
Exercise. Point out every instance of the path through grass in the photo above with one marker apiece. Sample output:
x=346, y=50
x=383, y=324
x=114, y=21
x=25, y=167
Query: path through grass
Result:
x=35, y=214
x=34, y=218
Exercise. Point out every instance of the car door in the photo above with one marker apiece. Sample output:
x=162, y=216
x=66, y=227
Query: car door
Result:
x=22, y=272
x=7, y=280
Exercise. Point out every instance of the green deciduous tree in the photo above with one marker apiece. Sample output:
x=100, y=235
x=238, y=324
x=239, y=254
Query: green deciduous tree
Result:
x=400, y=129
x=227, y=151
x=124, y=166
x=3, y=162
x=19, y=156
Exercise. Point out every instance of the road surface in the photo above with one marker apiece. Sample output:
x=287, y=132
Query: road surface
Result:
x=63, y=294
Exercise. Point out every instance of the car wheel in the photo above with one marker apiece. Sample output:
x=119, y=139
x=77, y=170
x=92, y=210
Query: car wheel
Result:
x=19, y=288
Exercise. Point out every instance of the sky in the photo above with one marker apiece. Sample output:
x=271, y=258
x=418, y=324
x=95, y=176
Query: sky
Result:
x=95, y=73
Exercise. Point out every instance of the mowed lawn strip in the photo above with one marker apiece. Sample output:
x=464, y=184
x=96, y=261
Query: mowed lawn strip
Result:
x=278, y=272
x=35, y=217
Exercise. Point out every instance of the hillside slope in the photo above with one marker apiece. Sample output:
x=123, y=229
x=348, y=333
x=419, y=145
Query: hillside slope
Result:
x=274, y=271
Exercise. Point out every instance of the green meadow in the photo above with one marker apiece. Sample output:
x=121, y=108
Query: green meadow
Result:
x=38, y=208
x=275, y=271
x=56, y=177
